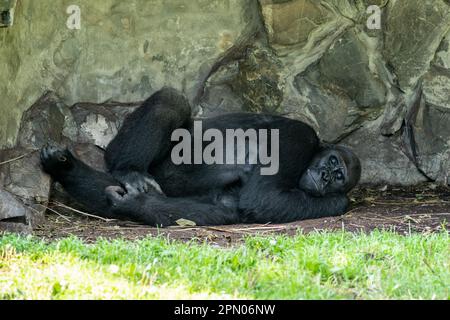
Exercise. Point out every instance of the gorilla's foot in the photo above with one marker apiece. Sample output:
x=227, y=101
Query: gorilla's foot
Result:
x=56, y=160
x=142, y=182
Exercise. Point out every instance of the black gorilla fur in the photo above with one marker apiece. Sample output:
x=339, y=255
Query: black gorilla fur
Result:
x=312, y=180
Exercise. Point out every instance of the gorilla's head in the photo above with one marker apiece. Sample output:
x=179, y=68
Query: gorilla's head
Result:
x=335, y=169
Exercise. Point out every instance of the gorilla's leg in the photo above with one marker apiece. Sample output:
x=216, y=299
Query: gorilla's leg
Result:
x=82, y=182
x=157, y=210
x=100, y=192
x=144, y=138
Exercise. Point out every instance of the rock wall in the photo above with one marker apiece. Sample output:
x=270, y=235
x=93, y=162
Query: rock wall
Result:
x=384, y=92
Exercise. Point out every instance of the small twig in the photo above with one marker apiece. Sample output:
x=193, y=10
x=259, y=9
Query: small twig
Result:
x=261, y=228
x=59, y=204
x=409, y=203
x=126, y=228
x=52, y=210
x=265, y=225
x=180, y=228
x=348, y=214
x=59, y=214
x=17, y=158
x=223, y=230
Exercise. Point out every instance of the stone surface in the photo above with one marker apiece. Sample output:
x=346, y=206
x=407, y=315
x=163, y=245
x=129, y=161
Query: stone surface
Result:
x=291, y=22
x=258, y=81
x=95, y=123
x=326, y=108
x=346, y=64
x=389, y=166
x=21, y=175
x=442, y=57
x=431, y=125
x=10, y=207
x=7, y=8
x=42, y=123
x=14, y=227
x=124, y=51
x=431, y=133
x=90, y=154
x=414, y=30
x=341, y=91
x=436, y=88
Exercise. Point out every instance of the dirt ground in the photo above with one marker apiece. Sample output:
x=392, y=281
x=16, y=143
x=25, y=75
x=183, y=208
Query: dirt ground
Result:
x=424, y=209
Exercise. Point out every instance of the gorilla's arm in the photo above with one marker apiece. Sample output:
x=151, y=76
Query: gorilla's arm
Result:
x=287, y=206
x=262, y=202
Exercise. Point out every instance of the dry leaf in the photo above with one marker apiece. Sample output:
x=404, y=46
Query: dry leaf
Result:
x=185, y=223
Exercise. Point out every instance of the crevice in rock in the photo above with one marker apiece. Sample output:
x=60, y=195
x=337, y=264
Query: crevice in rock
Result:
x=257, y=33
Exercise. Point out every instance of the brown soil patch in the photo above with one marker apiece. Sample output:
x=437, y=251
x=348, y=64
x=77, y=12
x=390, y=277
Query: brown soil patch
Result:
x=423, y=209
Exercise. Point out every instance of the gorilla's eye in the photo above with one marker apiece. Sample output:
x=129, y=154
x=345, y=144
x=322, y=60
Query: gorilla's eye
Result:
x=333, y=160
x=339, y=176
x=62, y=159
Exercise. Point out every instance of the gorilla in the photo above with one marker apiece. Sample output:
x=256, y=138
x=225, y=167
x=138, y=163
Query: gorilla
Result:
x=143, y=183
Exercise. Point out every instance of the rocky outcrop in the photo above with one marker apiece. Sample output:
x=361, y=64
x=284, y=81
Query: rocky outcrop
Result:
x=21, y=176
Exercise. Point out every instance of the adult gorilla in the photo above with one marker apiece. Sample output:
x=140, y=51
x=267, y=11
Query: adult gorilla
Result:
x=312, y=180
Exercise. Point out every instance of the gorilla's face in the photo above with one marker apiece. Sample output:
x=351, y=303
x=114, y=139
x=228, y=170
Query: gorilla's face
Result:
x=333, y=170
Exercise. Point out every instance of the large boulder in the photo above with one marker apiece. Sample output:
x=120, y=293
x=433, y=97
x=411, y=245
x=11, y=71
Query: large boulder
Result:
x=291, y=23
x=414, y=30
x=95, y=123
x=21, y=175
x=13, y=214
x=10, y=207
x=383, y=159
x=43, y=122
x=431, y=125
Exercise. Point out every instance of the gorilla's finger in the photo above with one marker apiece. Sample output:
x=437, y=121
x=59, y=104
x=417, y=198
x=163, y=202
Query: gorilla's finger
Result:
x=154, y=185
x=115, y=194
x=131, y=190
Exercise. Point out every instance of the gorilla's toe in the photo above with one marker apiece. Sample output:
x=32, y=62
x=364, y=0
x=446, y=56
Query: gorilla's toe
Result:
x=141, y=182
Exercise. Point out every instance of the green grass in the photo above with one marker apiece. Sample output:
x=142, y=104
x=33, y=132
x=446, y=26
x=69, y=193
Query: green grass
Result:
x=379, y=265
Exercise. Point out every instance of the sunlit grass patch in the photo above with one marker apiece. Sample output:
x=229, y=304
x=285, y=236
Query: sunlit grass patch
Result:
x=314, y=266
x=56, y=275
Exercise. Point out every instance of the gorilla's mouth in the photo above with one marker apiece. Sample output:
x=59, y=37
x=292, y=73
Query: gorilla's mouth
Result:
x=314, y=181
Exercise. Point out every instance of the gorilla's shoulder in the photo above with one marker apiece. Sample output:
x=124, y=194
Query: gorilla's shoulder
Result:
x=167, y=95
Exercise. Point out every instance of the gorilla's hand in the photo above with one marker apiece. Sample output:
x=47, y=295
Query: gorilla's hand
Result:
x=146, y=208
x=142, y=182
x=118, y=196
